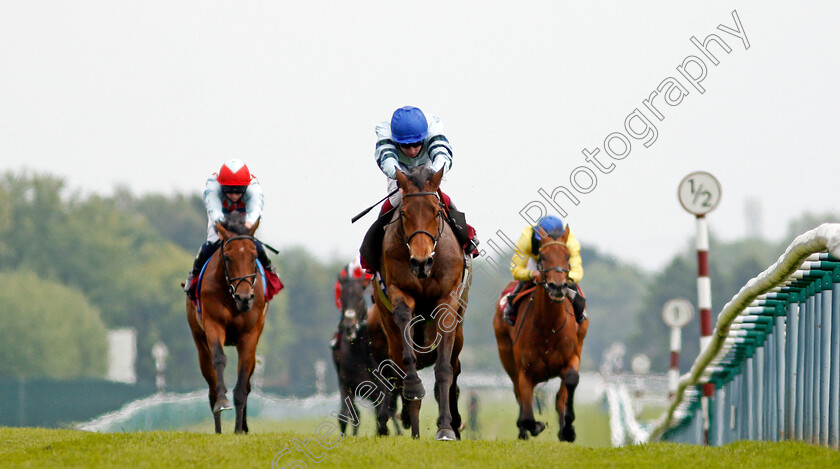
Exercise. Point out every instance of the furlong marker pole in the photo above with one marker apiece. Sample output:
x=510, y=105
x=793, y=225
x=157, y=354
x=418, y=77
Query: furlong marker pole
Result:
x=704, y=302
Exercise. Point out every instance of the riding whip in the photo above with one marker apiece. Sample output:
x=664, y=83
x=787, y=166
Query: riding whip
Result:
x=365, y=211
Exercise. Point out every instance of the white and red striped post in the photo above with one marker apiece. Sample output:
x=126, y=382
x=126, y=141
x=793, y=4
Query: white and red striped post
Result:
x=674, y=371
x=699, y=193
x=704, y=302
x=676, y=314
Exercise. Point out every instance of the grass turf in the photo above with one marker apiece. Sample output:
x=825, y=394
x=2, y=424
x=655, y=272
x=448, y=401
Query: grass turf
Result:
x=31, y=447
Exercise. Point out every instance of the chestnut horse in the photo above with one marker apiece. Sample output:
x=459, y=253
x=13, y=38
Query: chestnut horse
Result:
x=233, y=308
x=545, y=342
x=423, y=270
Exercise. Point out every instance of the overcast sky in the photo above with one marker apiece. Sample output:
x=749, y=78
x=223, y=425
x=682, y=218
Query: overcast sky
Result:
x=156, y=95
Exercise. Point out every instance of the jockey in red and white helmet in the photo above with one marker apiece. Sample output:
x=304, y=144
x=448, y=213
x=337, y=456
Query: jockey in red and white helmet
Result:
x=233, y=188
x=352, y=270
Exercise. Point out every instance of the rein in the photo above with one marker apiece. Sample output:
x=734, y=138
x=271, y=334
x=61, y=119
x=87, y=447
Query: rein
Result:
x=438, y=216
x=251, y=279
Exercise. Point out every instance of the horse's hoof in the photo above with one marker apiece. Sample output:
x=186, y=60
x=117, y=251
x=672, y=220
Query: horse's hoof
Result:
x=523, y=435
x=567, y=433
x=413, y=390
x=538, y=428
x=222, y=404
x=446, y=434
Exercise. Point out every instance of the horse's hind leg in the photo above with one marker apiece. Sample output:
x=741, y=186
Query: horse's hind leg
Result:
x=383, y=413
x=358, y=418
x=392, y=410
x=565, y=404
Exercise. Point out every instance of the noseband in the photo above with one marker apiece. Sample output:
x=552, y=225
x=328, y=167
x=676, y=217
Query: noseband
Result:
x=251, y=279
x=438, y=216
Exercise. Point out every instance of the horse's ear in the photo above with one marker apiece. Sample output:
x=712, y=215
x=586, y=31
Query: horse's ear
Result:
x=435, y=180
x=542, y=232
x=402, y=180
x=254, y=228
x=223, y=233
x=566, y=232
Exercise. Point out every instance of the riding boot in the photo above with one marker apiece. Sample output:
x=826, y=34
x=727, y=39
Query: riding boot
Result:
x=464, y=233
x=371, y=249
x=264, y=260
x=578, y=302
x=510, y=308
x=207, y=249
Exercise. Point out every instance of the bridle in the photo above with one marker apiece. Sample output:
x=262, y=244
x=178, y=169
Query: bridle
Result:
x=251, y=279
x=438, y=215
x=543, y=272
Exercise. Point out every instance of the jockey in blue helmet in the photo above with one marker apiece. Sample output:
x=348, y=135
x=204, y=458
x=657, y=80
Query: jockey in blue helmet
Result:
x=409, y=140
x=523, y=265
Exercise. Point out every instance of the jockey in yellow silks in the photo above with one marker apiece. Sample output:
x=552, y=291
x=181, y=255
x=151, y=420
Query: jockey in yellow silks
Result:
x=523, y=265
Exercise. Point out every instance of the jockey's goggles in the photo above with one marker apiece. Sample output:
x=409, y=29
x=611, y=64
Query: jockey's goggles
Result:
x=234, y=189
x=412, y=145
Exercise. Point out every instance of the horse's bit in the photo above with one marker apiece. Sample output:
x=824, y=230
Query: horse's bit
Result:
x=438, y=215
x=251, y=278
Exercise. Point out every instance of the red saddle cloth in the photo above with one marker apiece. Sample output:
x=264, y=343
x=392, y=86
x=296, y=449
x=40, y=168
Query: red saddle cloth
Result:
x=273, y=284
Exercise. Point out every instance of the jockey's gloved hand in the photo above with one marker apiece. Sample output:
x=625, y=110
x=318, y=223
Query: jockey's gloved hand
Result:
x=390, y=167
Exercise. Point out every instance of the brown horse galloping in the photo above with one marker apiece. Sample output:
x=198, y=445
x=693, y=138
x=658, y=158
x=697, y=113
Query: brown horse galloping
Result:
x=545, y=342
x=423, y=270
x=233, y=309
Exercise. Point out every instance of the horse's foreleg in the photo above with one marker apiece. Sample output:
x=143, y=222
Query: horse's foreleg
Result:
x=565, y=406
x=526, y=422
x=412, y=386
x=343, y=395
x=215, y=341
x=246, y=349
x=412, y=408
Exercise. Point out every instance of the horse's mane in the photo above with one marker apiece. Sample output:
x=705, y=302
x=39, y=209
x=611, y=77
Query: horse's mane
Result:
x=235, y=222
x=419, y=175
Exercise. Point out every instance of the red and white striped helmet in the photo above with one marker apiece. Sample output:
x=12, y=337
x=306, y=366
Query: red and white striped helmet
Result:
x=234, y=173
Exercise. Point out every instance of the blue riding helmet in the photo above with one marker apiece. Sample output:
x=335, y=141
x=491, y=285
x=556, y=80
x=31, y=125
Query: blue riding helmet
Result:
x=408, y=125
x=548, y=223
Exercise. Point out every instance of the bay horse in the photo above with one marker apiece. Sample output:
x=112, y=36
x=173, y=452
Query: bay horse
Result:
x=545, y=342
x=233, y=308
x=423, y=269
x=352, y=357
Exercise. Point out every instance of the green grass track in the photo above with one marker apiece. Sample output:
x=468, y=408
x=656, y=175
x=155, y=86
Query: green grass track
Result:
x=31, y=447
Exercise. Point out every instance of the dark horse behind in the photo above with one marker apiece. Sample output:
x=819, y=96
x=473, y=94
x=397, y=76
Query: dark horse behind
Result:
x=545, y=342
x=423, y=268
x=352, y=356
x=233, y=308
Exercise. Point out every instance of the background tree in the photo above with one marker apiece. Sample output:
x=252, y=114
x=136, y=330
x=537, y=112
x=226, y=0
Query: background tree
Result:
x=49, y=329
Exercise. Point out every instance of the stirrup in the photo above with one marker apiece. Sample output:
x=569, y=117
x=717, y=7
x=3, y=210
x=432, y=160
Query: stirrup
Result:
x=583, y=317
